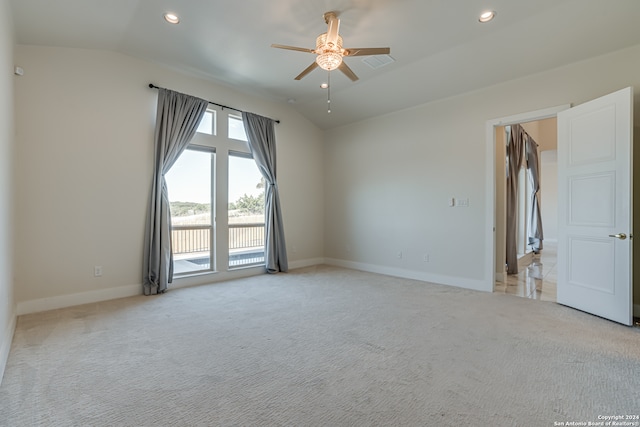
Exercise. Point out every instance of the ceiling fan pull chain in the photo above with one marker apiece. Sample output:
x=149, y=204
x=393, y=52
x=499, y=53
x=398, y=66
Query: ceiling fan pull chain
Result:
x=329, y=92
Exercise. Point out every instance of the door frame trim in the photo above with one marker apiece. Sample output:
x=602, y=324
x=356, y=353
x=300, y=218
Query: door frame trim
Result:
x=490, y=180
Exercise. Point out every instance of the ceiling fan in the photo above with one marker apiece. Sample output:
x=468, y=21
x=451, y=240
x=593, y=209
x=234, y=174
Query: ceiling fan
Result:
x=330, y=52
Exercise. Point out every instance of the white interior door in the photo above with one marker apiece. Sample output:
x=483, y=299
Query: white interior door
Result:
x=594, y=206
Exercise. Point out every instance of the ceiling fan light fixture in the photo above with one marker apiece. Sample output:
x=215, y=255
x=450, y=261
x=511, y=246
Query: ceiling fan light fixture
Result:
x=329, y=60
x=329, y=56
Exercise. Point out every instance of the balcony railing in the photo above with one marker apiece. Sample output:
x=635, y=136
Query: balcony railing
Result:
x=186, y=239
x=242, y=236
x=192, y=243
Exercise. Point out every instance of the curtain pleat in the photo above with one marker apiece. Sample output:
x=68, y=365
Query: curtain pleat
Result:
x=515, y=149
x=177, y=119
x=534, y=234
x=262, y=143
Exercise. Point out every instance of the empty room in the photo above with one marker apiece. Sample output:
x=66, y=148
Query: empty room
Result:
x=319, y=213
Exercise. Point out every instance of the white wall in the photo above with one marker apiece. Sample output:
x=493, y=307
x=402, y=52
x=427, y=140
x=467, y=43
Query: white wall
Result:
x=548, y=134
x=388, y=179
x=388, y=184
x=7, y=307
x=85, y=121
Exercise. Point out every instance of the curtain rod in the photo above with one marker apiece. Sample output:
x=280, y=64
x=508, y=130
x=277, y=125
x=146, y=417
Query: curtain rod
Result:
x=152, y=86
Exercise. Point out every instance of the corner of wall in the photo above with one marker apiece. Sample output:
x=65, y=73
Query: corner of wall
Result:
x=5, y=342
x=8, y=317
x=70, y=300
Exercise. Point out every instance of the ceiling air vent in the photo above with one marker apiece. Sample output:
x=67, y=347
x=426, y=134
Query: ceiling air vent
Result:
x=378, y=61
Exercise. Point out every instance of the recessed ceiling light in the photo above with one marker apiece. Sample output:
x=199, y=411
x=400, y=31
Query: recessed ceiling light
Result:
x=487, y=16
x=171, y=18
x=324, y=85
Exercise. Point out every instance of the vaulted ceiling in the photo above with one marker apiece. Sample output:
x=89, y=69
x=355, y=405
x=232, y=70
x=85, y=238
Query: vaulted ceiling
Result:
x=439, y=47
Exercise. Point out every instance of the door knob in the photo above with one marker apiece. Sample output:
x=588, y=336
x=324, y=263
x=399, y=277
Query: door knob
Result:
x=620, y=236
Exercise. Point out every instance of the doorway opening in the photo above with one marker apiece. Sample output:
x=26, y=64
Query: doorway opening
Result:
x=535, y=276
x=540, y=124
x=595, y=199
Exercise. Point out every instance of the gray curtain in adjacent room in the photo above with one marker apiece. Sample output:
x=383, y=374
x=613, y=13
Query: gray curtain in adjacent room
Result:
x=515, y=149
x=534, y=229
x=177, y=119
x=262, y=143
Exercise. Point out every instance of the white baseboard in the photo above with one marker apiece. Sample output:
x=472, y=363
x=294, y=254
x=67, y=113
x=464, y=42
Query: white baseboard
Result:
x=460, y=282
x=306, y=263
x=5, y=343
x=237, y=273
x=215, y=277
x=62, y=301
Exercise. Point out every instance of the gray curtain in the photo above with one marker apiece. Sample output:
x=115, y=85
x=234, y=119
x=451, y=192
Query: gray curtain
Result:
x=262, y=143
x=177, y=119
x=515, y=149
x=534, y=234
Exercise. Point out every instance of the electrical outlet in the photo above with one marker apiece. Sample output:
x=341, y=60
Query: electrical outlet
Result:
x=425, y=257
x=97, y=271
x=399, y=255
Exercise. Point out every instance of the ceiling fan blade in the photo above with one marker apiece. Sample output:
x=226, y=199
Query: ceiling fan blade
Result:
x=299, y=49
x=364, y=51
x=347, y=71
x=307, y=70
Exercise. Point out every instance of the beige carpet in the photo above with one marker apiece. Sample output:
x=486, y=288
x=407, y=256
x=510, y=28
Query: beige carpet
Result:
x=321, y=346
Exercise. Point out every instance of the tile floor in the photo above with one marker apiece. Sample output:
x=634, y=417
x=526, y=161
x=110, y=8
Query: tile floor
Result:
x=536, y=280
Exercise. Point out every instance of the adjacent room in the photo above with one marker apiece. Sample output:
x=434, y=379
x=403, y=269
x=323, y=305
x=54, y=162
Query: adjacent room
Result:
x=344, y=212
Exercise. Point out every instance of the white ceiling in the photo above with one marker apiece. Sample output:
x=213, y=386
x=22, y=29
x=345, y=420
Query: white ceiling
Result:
x=440, y=48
